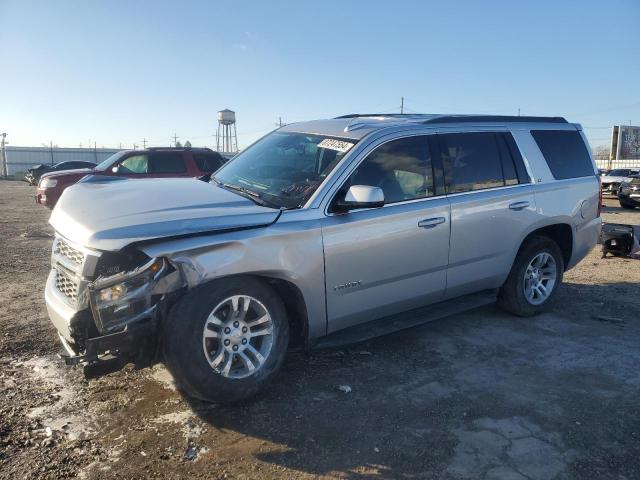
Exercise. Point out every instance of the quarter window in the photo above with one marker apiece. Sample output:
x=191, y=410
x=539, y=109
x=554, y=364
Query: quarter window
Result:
x=471, y=162
x=208, y=162
x=401, y=168
x=565, y=152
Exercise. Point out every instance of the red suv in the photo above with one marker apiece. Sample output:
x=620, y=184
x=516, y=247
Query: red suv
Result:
x=149, y=163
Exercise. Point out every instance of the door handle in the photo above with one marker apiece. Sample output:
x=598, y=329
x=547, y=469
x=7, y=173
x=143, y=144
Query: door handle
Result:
x=519, y=205
x=431, y=222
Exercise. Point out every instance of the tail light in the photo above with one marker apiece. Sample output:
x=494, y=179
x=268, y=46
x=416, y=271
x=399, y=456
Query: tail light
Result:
x=599, y=195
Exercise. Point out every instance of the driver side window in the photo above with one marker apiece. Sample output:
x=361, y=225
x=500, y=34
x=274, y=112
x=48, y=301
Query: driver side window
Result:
x=134, y=164
x=401, y=168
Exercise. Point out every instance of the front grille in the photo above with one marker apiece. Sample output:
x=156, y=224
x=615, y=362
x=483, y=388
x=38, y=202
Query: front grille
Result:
x=66, y=251
x=66, y=285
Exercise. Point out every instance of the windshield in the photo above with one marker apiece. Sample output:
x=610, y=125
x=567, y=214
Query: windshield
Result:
x=284, y=169
x=103, y=165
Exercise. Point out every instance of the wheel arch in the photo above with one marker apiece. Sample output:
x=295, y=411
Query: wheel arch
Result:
x=561, y=233
x=292, y=299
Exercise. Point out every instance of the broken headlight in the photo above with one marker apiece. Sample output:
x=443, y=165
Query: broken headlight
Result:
x=125, y=297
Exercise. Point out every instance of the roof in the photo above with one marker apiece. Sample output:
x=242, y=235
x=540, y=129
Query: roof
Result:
x=356, y=126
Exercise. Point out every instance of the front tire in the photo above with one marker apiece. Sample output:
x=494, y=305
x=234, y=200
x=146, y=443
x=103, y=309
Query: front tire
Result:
x=226, y=339
x=534, y=278
x=628, y=206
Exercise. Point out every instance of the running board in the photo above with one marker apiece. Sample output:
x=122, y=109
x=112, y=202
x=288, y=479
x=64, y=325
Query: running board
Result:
x=404, y=320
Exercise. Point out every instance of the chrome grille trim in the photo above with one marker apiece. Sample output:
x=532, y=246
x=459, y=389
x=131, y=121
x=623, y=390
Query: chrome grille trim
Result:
x=74, y=266
x=62, y=248
x=67, y=285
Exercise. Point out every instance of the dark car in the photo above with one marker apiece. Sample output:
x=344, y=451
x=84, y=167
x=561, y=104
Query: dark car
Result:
x=629, y=192
x=149, y=163
x=34, y=173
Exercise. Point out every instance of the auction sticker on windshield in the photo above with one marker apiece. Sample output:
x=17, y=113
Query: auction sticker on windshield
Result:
x=333, y=144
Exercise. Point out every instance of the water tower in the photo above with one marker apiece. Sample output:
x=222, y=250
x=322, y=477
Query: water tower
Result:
x=226, y=140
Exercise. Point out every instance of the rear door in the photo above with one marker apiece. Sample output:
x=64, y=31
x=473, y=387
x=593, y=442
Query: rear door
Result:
x=381, y=261
x=492, y=205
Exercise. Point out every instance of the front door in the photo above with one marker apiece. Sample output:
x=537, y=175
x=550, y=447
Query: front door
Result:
x=385, y=260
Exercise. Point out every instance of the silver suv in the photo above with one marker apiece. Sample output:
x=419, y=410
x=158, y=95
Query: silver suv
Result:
x=318, y=234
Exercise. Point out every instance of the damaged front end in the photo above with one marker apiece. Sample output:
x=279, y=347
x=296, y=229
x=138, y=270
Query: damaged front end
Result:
x=107, y=306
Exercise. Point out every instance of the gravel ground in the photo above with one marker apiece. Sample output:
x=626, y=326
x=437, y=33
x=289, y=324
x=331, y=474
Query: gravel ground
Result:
x=482, y=395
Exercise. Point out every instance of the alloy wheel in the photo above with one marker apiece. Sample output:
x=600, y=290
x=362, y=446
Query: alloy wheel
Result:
x=238, y=336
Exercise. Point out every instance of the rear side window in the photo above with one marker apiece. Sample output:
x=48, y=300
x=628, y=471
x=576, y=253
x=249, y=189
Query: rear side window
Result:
x=565, y=152
x=471, y=161
x=208, y=162
x=166, y=162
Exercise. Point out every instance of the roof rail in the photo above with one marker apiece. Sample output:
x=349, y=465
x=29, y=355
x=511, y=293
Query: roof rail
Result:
x=493, y=118
x=358, y=115
x=441, y=118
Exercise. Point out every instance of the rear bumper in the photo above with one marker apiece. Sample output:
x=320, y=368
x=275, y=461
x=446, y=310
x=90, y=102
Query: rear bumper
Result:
x=585, y=237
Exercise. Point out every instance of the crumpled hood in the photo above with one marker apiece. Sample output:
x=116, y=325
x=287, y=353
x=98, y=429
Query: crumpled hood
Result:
x=111, y=214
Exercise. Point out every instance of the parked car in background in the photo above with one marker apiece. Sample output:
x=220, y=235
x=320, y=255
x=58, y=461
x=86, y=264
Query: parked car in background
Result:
x=629, y=192
x=319, y=234
x=611, y=181
x=34, y=173
x=149, y=163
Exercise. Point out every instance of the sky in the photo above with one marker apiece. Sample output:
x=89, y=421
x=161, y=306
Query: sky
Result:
x=117, y=72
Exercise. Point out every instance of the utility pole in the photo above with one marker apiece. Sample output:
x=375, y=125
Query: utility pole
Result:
x=51, y=150
x=518, y=111
x=175, y=139
x=120, y=147
x=95, y=151
x=401, y=105
x=135, y=147
x=144, y=143
x=3, y=155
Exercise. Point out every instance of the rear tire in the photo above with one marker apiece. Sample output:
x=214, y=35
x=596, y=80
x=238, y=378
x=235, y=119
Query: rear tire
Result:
x=215, y=342
x=538, y=268
x=628, y=206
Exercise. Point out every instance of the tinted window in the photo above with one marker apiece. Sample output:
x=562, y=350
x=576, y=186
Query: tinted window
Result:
x=471, y=161
x=565, y=152
x=208, y=162
x=508, y=166
x=134, y=164
x=166, y=162
x=401, y=168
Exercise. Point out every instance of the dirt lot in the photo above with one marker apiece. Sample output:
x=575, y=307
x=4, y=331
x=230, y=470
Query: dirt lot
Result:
x=482, y=395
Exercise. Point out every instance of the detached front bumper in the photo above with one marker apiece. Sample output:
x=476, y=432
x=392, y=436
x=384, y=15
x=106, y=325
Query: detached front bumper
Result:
x=629, y=196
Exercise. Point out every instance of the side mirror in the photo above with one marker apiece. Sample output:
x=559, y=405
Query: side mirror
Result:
x=115, y=169
x=361, y=196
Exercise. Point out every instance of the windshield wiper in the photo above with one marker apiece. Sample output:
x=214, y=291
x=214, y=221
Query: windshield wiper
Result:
x=246, y=193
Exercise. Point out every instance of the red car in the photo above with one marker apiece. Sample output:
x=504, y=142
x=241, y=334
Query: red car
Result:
x=149, y=163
